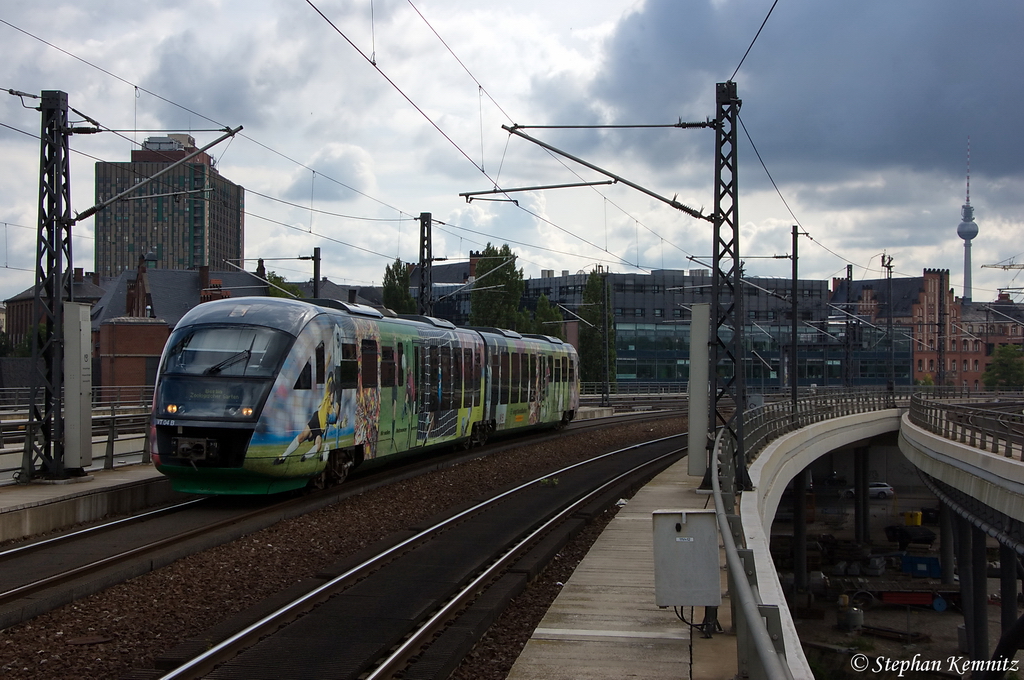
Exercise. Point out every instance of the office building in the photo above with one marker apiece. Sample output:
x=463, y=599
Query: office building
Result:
x=188, y=218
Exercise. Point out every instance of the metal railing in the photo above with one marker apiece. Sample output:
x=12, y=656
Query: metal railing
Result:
x=995, y=425
x=17, y=398
x=760, y=644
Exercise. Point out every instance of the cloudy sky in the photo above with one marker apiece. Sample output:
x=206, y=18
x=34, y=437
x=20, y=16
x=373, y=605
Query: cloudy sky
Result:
x=861, y=112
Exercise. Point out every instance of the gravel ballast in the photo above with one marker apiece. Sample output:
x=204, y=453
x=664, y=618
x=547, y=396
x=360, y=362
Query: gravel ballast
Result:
x=125, y=627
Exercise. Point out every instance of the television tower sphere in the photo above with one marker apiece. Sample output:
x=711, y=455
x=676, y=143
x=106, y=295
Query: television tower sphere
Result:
x=967, y=229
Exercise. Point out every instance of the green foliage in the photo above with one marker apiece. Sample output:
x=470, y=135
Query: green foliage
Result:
x=1006, y=369
x=548, y=319
x=396, y=288
x=6, y=349
x=927, y=380
x=279, y=281
x=594, y=347
x=24, y=348
x=497, y=290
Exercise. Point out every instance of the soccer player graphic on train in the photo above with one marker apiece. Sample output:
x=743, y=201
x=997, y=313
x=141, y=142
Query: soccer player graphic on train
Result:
x=324, y=416
x=328, y=413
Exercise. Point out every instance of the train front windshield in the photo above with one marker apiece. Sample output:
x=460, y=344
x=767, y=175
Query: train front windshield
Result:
x=219, y=372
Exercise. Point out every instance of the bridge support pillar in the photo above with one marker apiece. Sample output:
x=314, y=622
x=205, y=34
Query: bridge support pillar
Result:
x=861, y=508
x=966, y=568
x=800, y=580
x=1007, y=587
x=946, y=543
x=980, y=559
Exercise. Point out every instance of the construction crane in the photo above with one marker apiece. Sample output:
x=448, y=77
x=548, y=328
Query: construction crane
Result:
x=1003, y=266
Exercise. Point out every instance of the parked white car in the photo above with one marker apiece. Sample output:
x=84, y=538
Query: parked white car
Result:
x=875, y=490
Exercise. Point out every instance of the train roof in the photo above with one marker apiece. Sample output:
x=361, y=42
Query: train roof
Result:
x=281, y=313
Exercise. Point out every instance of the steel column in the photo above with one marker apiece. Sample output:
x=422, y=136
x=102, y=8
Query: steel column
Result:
x=1007, y=587
x=729, y=392
x=946, y=543
x=980, y=599
x=44, y=436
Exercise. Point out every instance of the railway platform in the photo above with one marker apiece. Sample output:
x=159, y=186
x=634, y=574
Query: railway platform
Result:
x=605, y=625
x=39, y=507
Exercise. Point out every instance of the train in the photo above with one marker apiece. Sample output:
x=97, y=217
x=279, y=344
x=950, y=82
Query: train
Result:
x=263, y=395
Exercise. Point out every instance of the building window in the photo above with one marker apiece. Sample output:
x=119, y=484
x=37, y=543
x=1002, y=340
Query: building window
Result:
x=771, y=315
x=677, y=313
x=752, y=314
x=975, y=364
x=658, y=313
x=638, y=311
x=619, y=311
x=965, y=364
x=920, y=364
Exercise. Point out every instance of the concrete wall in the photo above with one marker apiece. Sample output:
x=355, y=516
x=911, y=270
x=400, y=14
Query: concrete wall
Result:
x=993, y=479
x=771, y=473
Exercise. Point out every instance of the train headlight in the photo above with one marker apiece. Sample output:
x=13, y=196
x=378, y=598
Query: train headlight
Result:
x=172, y=408
x=246, y=411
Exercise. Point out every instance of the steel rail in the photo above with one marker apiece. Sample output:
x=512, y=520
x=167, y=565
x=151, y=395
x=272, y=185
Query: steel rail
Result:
x=205, y=662
x=96, y=565
x=400, y=655
x=26, y=548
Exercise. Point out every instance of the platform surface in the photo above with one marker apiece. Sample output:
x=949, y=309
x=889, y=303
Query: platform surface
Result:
x=605, y=624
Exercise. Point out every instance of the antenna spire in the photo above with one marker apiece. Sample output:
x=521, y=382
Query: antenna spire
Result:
x=968, y=169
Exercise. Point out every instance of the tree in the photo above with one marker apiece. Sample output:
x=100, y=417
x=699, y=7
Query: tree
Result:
x=548, y=319
x=6, y=349
x=279, y=281
x=497, y=289
x=595, y=348
x=1006, y=369
x=396, y=288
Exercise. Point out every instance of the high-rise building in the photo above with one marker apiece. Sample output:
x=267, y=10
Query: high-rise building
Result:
x=187, y=218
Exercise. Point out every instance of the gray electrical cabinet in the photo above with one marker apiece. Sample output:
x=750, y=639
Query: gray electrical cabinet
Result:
x=686, y=559
x=77, y=385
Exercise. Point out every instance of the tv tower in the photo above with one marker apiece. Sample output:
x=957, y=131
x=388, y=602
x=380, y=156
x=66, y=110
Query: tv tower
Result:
x=967, y=229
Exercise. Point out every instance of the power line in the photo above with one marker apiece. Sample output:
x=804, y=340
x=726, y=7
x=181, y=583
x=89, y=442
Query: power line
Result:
x=733, y=77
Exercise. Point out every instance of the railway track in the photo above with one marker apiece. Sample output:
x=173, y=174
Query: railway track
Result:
x=39, y=575
x=417, y=605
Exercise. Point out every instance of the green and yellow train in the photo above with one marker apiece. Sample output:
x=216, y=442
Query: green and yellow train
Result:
x=264, y=395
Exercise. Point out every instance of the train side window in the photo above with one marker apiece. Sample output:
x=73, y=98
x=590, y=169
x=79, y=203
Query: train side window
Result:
x=387, y=366
x=516, y=384
x=446, y=378
x=417, y=371
x=305, y=379
x=457, y=376
x=321, y=375
x=348, y=368
x=557, y=376
x=473, y=363
x=431, y=377
x=495, y=378
x=572, y=372
x=532, y=378
x=369, y=352
x=506, y=383
x=565, y=368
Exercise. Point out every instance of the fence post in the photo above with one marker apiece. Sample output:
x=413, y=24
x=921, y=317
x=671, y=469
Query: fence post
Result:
x=108, y=460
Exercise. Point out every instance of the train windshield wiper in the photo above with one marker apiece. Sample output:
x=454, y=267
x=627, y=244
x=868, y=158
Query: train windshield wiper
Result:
x=233, y=359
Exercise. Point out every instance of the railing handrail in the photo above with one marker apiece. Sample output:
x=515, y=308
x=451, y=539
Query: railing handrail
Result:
x=981, y=424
